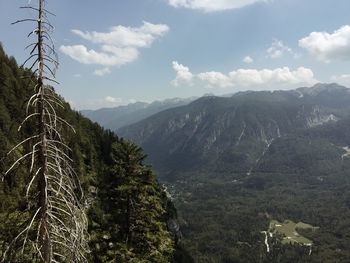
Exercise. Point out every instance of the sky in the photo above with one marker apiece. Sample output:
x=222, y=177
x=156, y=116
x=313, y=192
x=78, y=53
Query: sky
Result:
x=115, y=52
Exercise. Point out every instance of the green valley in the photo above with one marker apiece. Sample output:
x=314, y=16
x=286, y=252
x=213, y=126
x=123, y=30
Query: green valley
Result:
x=236, y=163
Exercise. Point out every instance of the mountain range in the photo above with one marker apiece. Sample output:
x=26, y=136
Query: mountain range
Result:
x=233, y=164
x=233, y=133
x=117, y=117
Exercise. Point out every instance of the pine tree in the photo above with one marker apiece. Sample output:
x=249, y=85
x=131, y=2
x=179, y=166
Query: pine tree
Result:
x=133, y=210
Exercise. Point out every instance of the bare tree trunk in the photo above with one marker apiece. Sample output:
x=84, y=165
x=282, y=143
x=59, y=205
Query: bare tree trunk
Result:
x=44, y=237
x=57, y=228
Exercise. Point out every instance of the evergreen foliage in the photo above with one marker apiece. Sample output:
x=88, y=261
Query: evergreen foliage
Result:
x=113, y=177
x=233, y=164
x=131, y=229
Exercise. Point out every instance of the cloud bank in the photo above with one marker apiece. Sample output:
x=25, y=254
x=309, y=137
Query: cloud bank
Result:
x=280, y=78
x=343, y=79
x=212, y=5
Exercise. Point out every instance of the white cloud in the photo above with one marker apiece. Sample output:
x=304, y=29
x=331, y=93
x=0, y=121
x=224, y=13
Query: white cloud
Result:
x=77, y=75
x=110, y=99
x=278, y=49
x=248, y=60
x=328, y=47
x=212, y=5
x=112, y=56
x=121, y=36
x=214, y=78
x=343, y=79
x=183, y=74
x=280, y=78
x=102, y=72
x=118, y=47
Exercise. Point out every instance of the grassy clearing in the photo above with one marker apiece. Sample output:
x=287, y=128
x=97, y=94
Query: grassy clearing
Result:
x=289, y=230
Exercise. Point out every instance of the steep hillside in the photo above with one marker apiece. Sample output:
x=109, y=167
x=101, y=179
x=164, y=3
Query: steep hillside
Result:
x=98, y=161
x=233, y=133
x=233, y=165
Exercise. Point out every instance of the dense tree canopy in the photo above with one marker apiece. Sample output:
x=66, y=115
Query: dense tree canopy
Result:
x=127, y=209
x=133, y=209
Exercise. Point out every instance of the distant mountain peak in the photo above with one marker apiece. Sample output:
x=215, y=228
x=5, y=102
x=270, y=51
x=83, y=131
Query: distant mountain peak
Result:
x=117, y=117
x=321, y=88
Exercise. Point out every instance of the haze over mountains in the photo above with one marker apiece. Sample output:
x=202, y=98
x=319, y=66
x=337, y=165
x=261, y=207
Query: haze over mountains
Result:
x=117, y=117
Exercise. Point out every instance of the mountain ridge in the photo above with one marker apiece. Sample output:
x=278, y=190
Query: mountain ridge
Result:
x=213, y=125
x=116, y=117
x=234, y=164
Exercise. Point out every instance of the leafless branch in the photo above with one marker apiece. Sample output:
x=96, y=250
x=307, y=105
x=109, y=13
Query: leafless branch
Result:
x=58, y=224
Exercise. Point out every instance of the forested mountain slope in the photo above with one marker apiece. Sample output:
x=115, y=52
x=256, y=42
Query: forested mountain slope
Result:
x=234, y=165
x=233, y=133
x=112, y=173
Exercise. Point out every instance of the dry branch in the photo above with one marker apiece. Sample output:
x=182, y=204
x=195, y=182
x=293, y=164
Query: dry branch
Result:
x=56, y=229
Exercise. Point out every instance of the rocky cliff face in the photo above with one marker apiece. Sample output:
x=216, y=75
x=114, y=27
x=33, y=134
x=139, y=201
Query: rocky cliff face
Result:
x=233, y=133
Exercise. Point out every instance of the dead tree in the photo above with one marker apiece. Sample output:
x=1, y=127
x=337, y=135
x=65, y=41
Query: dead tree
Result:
x=56, y=228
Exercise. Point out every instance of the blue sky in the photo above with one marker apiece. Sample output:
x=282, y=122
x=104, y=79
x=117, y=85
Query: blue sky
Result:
x=114, y=52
